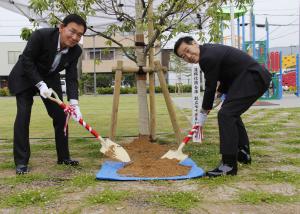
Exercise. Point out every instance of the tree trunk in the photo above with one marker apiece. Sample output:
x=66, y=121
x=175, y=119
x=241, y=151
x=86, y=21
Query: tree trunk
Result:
x=141, y=77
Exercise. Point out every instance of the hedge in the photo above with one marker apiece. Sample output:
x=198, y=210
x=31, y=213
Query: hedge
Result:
x=4, y=92
x=133, y=90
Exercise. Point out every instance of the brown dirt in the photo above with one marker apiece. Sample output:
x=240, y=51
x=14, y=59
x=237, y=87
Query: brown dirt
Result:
x=146, y=160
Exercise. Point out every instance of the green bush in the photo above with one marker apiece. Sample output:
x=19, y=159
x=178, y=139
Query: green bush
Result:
x=4, y=92
x=187, y=88
x=133, y=90
x=124, y=90
x=158, y=89
x=171, y=88
x=106, y=90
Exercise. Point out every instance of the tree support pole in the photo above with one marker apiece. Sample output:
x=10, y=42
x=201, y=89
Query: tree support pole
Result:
x=168, y=101
x=151, y=75
x=116, y=99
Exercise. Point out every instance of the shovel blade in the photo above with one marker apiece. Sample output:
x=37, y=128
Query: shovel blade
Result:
x=175, y=154
x=114, y=150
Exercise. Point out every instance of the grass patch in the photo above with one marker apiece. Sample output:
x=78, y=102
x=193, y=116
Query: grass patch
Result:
x=6, y=146
x=83, y=180
x=279, y=177
x=206, y=154
x=257, y=197
x=7, y=165
x=42, y=147
x=257, y=153
x=26, y=179
x=265, y=135
x=290, y=150
x=217, y=181
x=29, y=197
x=176, y=200
x=108, y=197
x=291, y=161
x=258, y=143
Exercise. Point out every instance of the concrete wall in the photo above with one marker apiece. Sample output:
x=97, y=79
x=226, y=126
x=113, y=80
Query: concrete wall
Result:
x=5, y=47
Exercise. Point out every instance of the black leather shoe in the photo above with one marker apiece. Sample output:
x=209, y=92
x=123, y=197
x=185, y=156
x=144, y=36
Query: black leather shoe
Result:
x=222, y=169
x=68, y=162
x=22, y=169
x=243, y=157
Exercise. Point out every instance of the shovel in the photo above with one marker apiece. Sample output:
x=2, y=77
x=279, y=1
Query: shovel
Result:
x=108, y=147
x=178, y=154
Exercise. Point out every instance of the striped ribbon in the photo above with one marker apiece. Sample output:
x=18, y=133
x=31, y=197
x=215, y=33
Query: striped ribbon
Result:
x=196, y=128
x=70, y=111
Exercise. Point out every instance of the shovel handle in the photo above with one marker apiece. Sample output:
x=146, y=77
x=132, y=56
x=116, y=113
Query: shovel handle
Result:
x=190, y=134
x=81, y=121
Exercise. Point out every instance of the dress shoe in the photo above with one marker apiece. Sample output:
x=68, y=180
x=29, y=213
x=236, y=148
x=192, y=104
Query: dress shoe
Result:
x=68, y=162
x=22, y=169
x=222, y=169
x=243, y=156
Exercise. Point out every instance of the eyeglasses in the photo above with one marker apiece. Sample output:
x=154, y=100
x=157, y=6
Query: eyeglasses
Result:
x=73, y=32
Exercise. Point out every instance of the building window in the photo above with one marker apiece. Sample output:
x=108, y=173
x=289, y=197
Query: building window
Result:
x=91, y=54
x=101, y=54
x=13, y=56
x=107, y=55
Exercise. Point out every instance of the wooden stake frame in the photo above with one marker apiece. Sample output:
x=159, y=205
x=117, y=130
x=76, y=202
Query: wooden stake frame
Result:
x=119, y=70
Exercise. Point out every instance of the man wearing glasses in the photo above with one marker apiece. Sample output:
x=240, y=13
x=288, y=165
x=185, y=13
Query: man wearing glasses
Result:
x=243, y=81
x=48, y=52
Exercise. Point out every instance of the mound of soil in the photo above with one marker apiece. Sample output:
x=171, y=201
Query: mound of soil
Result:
x=146, y=161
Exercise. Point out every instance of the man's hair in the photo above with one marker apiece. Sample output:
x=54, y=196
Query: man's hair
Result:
x=187, y=39
x=74, y=18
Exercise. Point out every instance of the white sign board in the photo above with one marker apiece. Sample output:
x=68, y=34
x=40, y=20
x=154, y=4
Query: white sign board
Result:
x=196, y=100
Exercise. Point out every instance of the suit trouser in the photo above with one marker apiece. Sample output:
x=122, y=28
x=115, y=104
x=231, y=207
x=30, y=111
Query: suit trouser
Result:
x=233, y=134
x=21, y=126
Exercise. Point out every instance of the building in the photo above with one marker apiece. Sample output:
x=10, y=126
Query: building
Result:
x=9, y=54
x=107, y=55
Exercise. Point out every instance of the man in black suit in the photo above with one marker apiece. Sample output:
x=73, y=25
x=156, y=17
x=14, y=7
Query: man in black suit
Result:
x=243, y=81
x=48, y=51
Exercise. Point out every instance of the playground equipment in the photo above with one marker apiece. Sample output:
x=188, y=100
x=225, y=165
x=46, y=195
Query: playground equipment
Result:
x=289, y=77
x=275, y=67
x=288, y=61
x=297, y=76
x=259, y=50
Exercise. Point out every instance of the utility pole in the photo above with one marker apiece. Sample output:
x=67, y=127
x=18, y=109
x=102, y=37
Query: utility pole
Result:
x=94, y=54
x=250, y=26
x=232, y=24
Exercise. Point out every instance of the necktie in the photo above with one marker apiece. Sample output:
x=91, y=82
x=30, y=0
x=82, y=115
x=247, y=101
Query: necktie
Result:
x=57, y=59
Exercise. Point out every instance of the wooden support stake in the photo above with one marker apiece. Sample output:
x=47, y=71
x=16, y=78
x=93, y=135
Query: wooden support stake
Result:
x=151, y=75
x=152, y=107
x=168, y=100
x=116, y=98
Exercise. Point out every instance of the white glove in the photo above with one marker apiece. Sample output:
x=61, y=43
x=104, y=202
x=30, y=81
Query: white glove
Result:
x=202, y=118
x=77, y=114
x=44, y=90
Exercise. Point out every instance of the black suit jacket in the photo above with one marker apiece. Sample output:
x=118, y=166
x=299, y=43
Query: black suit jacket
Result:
x=35, y=62
x=229, y=66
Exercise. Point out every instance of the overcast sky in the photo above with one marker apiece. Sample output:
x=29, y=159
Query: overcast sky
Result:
x=283, y=12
